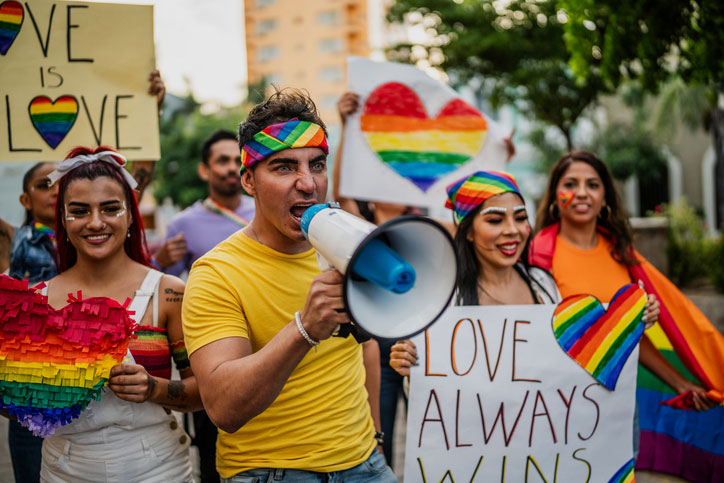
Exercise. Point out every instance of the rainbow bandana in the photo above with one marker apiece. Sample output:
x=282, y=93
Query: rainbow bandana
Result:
x=278, y=137
x=467, y=194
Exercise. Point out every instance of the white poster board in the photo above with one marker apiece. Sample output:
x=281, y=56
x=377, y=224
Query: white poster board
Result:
x=495, y=398
x=412, y=136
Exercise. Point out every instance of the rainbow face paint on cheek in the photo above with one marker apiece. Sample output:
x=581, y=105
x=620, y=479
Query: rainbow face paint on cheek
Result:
x=565, y=198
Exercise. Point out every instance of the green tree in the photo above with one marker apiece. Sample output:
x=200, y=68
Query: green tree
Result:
x=513, y=50
x=182, y=136
x=650, y=41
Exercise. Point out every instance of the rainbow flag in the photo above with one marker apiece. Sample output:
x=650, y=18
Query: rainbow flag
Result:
x=676, y=441
x=53, y=363
x=601, y=340
x=422, y=149
x=51, y=119
x=11, y=19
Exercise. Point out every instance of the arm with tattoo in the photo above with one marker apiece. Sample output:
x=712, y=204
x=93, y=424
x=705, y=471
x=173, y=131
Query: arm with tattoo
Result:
x=180, y=395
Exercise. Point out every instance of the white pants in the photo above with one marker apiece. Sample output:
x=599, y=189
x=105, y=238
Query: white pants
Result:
x=156, y=453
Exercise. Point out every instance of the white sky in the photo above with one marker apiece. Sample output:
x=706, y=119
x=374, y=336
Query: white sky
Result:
x=200, y=44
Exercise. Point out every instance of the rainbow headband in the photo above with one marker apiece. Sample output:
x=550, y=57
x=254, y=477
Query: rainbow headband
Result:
x=468, y=193
x=278, y=137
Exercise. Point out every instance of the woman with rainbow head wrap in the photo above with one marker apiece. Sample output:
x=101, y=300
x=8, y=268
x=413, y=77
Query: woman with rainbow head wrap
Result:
x=585, y=240
x=492, y=243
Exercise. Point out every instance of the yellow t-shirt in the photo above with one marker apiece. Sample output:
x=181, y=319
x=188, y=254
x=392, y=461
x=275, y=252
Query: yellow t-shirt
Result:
x=594, y=271
x=321, y=420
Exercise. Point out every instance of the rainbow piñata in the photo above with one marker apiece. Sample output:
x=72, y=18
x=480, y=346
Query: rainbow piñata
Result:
x=53, y=363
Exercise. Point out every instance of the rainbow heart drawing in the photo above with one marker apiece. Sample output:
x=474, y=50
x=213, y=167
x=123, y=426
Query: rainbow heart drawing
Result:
x=419, y=148
x=11, y=19
x=53, y=363
x=601, y=340
x=53, y=119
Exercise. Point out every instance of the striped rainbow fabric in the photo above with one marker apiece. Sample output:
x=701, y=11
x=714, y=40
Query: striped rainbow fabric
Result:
x=468, y=193
x=674, y=439
x=11, y=19
x=53, y=363
x=601, y=340
x=278, y=137
x=150, y=348
x=677, y=441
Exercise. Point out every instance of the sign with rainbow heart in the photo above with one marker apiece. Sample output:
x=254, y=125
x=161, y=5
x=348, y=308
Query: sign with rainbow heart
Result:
x=53, y=363
x=76, y=73
x=411, y=136
x=498, y=394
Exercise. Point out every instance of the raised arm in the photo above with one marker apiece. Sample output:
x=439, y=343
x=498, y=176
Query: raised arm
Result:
x=347, y=104
x=133, y=383
x=237, y=384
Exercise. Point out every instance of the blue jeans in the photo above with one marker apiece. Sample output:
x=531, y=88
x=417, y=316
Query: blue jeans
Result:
x=25, y=453
x=373, y=470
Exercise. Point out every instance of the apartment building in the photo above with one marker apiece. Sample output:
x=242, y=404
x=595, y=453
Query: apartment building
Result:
x=305, y=44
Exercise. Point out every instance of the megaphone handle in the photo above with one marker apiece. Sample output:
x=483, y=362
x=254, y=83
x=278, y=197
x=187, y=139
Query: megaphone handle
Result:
x=345, y=330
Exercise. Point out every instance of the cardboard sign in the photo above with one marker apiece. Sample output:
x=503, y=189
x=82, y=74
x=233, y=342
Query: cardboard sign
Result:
x=496, y=398
x=76, y=73
x=412, y=136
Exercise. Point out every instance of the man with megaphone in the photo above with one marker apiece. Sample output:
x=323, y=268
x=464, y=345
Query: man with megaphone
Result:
x=289, y=400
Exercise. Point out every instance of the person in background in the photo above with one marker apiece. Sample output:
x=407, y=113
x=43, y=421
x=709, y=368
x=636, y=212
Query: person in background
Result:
x=199, y=228
x=585, y=240
x=32, y=257
x=492, y=239
x=582, y=223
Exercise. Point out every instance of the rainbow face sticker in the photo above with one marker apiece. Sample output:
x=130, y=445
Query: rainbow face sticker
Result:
x=565, y=198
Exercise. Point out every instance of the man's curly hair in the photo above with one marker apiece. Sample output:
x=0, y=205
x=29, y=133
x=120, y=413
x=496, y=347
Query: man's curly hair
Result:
x=281, y=106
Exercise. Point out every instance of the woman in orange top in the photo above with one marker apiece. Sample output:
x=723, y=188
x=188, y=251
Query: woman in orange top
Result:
x=586, y=242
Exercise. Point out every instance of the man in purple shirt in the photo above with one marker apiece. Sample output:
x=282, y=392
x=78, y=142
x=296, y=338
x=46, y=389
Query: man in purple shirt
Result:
x=200, y=227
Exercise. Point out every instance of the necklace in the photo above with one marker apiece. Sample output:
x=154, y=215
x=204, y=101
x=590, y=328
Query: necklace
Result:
x=215, y=207
x=494, y=299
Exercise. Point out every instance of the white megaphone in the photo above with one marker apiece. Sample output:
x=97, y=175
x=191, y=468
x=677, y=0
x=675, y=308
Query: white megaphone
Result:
x=398, y=277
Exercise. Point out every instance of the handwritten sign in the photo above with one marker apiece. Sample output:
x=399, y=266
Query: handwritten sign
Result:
x=495, y=398
x=412, y=136
x=75, y=73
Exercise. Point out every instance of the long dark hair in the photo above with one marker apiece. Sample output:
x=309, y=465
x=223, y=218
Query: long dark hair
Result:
x=135, y=244
x=469, y=268
x=616, y=224
x=26, y=188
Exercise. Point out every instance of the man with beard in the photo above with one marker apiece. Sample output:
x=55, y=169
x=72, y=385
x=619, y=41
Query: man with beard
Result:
x=198, y=229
